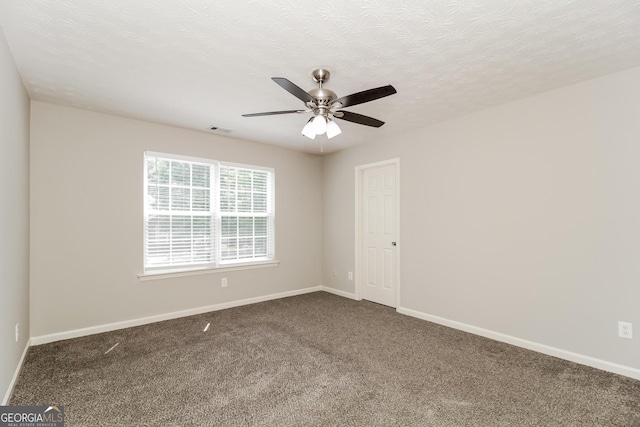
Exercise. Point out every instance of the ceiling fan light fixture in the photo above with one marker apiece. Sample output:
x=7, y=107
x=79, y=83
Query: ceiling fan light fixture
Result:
x=320, y=124
x=309, y=129
x=333, y=129
x=326, y=106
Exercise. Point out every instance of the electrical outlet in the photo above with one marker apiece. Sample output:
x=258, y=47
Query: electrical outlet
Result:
x=17, y=331
x=224, y=282
x=335, y=274
x=625, y=330
x=350, y=275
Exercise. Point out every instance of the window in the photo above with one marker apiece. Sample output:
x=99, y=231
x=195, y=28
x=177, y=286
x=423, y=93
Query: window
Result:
x=205, y=213
x=244, y=215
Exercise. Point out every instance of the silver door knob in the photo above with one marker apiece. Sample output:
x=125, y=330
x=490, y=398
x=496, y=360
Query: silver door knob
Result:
x=393, y=244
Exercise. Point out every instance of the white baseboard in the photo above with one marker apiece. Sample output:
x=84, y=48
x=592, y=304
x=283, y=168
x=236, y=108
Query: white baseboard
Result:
x=7, y=395
x=59, y=336
x=339, y=293
x=530, y=345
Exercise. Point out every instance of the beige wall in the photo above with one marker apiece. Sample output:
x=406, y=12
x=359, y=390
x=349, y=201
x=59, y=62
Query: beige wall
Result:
x=523, y=219
x=86, y=219
x=520, y=219
x=14, y=216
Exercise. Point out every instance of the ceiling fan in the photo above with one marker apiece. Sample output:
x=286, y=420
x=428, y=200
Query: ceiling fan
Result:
x=325, y=105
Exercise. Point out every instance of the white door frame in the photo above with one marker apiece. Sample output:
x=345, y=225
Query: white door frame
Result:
x=359, y=223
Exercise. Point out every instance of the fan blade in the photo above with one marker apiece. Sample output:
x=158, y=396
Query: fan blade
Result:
x=365, y=96
x=358, y=118
x=294, y=90
x=273, y=113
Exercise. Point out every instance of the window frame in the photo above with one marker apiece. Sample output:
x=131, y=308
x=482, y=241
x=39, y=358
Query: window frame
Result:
x=215, y=212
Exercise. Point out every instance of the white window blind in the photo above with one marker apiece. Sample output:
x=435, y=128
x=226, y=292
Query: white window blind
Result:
x=203, y=213
x=246, y=214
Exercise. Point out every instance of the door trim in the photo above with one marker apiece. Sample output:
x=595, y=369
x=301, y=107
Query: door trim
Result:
x=359, y=179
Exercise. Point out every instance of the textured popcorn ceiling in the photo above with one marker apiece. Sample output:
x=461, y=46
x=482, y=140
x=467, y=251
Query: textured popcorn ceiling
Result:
x=196, y=64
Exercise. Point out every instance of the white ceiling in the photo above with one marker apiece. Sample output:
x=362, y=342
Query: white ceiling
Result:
x=197, y=63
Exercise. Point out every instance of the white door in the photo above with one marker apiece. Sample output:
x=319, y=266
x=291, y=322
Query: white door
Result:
x=378, y=234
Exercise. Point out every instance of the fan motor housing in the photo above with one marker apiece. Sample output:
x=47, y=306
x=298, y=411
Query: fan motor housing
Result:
x=323, y=95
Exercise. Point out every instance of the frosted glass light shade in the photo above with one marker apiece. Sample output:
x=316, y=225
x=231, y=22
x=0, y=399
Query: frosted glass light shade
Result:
x=319, y=124
x=333, y=129
x=309, y=130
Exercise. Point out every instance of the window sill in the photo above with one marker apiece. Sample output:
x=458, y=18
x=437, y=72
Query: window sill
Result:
x=167, y=274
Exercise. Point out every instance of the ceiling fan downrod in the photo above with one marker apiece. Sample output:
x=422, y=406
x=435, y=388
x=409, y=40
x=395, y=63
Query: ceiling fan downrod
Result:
x=322, y=95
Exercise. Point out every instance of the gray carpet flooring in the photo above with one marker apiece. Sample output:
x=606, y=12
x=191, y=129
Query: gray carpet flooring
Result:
x=315, y=360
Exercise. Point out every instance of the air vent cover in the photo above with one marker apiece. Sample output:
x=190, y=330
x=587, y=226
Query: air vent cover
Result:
x=218, y=129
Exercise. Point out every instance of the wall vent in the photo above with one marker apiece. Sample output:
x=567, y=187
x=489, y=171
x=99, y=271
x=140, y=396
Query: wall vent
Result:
x=218, y=129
